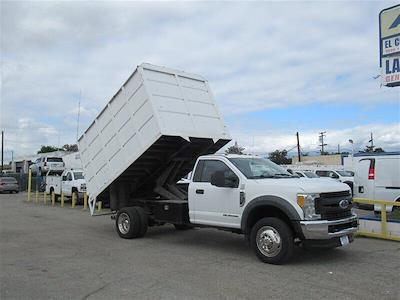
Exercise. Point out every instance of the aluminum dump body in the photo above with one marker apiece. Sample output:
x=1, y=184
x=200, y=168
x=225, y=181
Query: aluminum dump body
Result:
x=159, y=119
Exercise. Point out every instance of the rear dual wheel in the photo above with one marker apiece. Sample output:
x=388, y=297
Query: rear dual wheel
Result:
x=131, y=222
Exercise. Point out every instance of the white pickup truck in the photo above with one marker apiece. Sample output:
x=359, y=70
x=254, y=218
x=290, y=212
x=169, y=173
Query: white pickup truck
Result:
x=70, y=181
x=164, y=123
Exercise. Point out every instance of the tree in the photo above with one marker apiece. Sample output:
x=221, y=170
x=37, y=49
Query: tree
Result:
x=280, y=157
x=47, y=149
x=235, y=149
x=370, y=149
x=72, y=147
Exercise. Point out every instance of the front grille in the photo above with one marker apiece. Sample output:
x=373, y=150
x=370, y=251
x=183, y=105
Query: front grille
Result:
x=327, y=205
x=335, y=194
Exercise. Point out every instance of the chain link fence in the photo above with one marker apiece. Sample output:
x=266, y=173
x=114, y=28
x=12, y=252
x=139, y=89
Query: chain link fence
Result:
x=38, y=182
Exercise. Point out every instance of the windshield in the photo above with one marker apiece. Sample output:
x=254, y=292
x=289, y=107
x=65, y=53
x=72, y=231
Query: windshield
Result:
x=54, y=159
x=78, y=175
x=345, y=173
x=311, y=174
x=255, y=168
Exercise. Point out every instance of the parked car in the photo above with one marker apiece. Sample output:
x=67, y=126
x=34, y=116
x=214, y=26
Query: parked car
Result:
x=9, y=184
x=305, y=174
x=70, y=181
x=48, y=163
x=339, y=175
x=377, y=177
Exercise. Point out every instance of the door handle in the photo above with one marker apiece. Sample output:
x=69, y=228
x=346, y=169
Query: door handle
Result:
x=199, y=191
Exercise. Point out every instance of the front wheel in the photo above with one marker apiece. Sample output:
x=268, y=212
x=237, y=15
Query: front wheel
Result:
x=272, y=240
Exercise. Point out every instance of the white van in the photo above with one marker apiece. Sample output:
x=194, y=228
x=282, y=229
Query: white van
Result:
x=377, y=177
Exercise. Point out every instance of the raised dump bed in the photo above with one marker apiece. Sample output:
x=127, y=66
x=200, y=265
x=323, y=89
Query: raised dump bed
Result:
x=149, y=136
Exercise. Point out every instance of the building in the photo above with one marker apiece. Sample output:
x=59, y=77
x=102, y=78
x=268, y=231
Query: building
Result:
x=330, y=159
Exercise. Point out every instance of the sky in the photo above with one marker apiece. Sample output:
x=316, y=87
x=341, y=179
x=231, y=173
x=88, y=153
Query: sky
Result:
x=275, y=68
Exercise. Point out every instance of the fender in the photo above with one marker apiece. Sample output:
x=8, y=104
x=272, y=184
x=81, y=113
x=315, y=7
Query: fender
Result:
x=274, y=201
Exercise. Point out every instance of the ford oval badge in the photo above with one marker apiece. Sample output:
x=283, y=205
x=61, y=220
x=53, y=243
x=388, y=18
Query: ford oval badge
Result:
x=344, y=204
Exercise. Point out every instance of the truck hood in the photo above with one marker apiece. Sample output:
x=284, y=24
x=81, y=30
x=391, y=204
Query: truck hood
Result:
x=304, y=186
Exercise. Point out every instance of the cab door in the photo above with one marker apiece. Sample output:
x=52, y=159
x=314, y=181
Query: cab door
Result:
x=66, y=184
x=210, y=204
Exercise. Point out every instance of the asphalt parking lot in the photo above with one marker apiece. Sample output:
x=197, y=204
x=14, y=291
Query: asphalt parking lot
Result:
x=63, y=253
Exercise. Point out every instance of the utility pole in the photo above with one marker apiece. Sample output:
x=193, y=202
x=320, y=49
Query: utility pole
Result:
x=2, y=150
x=338, y=148
x=79, y=113
x=321, y=139
x=298, y=147
x=372, y=142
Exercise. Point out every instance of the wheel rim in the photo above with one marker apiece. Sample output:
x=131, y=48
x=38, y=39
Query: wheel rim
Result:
x=124, y=223
x=269, y=241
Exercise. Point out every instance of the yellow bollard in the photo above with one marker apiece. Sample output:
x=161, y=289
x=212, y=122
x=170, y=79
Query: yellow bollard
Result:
x=73, y=200
x=44, y=198
x=37, y=196
x=99, y=206
x=29, y=184
x=62, y=199
x=85, y=203
x=384, y=219
x=53, y=198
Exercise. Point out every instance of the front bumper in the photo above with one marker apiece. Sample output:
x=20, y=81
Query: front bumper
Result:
x=324, y=229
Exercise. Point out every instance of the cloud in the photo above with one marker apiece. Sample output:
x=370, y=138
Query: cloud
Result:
x=256, y=56
x=385, y=136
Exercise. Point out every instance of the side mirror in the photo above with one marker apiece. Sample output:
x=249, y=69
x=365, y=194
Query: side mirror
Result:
x=232, y=182
x=218, y=179
x=64, y=178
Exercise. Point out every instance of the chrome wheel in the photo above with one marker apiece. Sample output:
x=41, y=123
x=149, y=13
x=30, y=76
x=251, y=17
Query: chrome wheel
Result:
x=268, y=240
x=124, y=223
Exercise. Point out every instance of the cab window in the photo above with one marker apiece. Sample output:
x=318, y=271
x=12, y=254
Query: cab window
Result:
x=69, y=176
x=206, y=168
x=322, y=173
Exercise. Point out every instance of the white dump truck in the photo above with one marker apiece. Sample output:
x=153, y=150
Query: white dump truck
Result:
x=164, y=123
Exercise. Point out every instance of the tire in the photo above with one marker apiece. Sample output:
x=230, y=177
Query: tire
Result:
x=127, y=223
x=144, y=221
x=183, y=226
x=272, y=229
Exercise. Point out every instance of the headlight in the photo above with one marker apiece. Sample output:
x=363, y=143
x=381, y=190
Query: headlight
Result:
x=307, y=203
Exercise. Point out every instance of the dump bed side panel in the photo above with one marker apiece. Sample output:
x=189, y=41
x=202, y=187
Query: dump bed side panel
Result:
x=183, y=103
x=154, y=102
x=122, y=131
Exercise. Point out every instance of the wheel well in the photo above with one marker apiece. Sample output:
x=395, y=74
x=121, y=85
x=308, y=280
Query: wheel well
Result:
x=260, y=212
x=350, y=184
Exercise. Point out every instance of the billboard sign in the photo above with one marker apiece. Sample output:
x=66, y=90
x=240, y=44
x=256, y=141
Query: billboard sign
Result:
x=389, y=42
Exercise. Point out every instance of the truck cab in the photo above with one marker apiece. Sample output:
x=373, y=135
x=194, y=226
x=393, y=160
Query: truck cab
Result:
x=238, y=191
